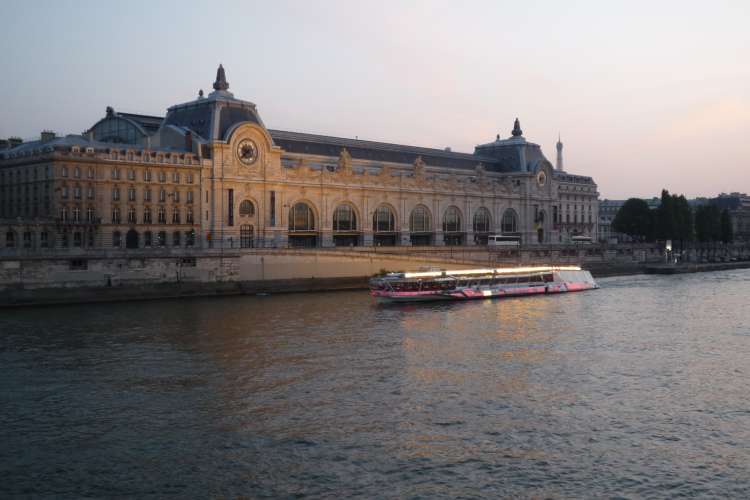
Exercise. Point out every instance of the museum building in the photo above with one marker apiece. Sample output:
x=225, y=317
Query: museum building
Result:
x=210, y=174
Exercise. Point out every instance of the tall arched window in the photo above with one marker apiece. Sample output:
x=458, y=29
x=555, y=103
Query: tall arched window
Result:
x=482, y=220
x=510, y=222
x=344, y=218
x=452, y=220
x=247, y=209
x=301, y=218
x=419, y=222
x=383, y=220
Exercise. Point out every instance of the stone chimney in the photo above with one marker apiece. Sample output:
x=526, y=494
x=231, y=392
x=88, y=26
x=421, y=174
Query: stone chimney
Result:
x=47, y=135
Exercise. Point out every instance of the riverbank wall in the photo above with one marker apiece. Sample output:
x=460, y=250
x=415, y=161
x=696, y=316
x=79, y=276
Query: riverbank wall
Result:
x=124, y=276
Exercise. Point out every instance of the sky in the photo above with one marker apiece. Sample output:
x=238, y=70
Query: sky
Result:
x=645, y=94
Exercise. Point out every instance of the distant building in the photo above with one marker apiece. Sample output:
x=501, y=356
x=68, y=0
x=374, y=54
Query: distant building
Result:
x=608, y=210
x=738, y=206
x=209, y=173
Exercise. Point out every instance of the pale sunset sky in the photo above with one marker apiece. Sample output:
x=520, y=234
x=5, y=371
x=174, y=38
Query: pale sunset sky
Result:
x=645, y=94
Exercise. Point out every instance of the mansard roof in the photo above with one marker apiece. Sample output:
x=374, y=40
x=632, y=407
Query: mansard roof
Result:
x=303, y=143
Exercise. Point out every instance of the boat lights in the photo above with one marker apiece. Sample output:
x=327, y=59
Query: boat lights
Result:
x=499, y=270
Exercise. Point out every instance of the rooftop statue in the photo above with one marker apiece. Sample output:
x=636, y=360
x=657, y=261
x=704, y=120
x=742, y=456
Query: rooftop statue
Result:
x=221, y=79
x=517, y=132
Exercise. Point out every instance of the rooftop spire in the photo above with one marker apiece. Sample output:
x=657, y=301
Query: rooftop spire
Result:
x=517, y=132
x=221, y=79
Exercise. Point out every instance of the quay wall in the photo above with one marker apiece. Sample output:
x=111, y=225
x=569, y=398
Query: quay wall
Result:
x=67, y=277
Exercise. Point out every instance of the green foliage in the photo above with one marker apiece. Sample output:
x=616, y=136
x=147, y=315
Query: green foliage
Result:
x=674, y=218
x=727, y=232
x=707, y=223
x=634, y=219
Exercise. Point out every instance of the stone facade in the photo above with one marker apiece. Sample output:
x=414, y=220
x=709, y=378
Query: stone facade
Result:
x=210, y=174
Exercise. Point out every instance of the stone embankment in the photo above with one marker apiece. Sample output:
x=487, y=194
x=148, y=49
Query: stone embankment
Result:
x=74, y=277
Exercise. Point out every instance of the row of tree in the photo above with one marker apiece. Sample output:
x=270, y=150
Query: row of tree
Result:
x=674, y=220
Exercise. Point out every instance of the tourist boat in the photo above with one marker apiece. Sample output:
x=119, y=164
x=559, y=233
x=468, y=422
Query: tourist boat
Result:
x=466, y=284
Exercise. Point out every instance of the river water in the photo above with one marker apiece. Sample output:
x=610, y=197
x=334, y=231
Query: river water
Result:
x=639, y=389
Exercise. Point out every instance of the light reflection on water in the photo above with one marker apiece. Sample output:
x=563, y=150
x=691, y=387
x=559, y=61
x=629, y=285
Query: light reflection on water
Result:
x=636, y=389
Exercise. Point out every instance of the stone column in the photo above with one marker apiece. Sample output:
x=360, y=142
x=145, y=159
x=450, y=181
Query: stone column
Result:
x=405, y=237
x=367, y=238
x=326, y=238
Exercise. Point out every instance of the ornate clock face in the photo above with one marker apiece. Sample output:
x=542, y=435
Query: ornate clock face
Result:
x=541, y=178
x=247, y=151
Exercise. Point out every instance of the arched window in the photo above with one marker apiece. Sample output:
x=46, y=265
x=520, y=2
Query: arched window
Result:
x=510, y=222
x=452, y=220
x=131, y=239
x=482, y=220
x=383, y=220
x=247, y=209
x=117, y=130
x=344, y=218
x=301, y=218
x=419, y=222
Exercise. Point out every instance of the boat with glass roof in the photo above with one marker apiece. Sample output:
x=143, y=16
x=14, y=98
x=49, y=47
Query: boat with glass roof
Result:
x=464, y=284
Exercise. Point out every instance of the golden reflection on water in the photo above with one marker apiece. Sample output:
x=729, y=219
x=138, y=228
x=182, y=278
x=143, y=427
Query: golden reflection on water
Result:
x=458, y=351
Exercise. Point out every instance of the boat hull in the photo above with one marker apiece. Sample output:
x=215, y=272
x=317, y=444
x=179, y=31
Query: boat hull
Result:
x=481, y=293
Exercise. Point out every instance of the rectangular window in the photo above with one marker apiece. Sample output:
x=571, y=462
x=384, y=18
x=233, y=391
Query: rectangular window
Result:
x=131, y=194
x=115, y=216
x=190, y=197
x=176, y=196
x=176, y=239
x=44, y=239
x=147, y=175
x=162, y=195
x=147, y=239
x=190, y=178
x=90, y=193
x=115, y=194
x=230, y=207
x=189, y=216
x=65, y=191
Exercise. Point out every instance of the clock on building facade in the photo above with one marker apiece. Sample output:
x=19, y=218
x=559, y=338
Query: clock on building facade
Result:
x=247, y=152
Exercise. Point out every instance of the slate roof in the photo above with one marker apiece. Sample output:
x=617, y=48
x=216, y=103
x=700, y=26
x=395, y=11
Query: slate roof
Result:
x=298, y=142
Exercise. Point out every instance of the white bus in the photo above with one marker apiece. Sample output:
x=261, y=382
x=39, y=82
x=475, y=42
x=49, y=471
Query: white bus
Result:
x=503, y=240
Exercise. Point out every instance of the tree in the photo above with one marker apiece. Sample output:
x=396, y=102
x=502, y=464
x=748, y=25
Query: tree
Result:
x=683, y=219
x=727, y=232
x=634, y=219
x=707, y=223
x=665, y=223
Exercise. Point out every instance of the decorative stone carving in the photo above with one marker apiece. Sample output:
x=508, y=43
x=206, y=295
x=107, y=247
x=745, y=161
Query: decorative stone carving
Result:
x=345, y=163
x=419, y=169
